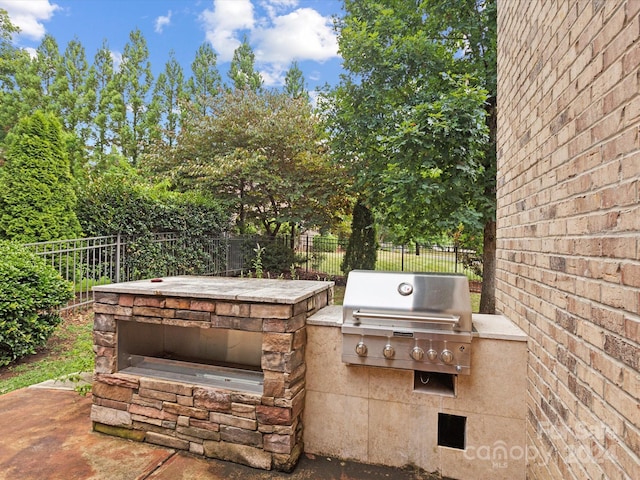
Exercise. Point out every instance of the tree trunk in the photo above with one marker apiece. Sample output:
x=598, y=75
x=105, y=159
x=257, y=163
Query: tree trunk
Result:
x=488, y=297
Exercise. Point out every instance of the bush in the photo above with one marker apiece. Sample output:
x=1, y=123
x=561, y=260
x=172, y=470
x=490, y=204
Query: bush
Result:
x=30, y=294
x=276, y=256
x=325, y=243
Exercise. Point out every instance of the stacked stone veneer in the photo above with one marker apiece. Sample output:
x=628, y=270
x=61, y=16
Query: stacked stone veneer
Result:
x=260, y=430
x=568, y=227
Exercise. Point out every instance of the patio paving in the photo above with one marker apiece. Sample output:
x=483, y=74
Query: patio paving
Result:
x=46, y=435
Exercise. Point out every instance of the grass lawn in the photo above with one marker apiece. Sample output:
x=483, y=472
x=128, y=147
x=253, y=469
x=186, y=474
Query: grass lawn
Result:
x=68, y=351
x=395, y=260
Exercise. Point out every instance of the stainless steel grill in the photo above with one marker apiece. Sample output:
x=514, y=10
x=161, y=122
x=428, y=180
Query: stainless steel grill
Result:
x=415, y=321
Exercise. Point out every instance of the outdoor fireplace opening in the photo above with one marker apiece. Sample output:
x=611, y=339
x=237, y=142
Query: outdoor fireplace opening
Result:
x=209, y=356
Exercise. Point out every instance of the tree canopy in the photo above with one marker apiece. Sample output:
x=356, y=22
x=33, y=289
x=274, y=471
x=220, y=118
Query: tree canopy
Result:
x=262, y=153
x=411, y=119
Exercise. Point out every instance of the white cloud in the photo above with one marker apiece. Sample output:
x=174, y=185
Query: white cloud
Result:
x=223, y=23
x=272, y=6
x=117, y=59
x=273, y=74
x=162, y=21
x=281, y=34
x=303, y=34
x=29, y=15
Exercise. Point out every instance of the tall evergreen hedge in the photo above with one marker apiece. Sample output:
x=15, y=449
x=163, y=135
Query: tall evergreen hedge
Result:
x=37, y=201
x=362, y=248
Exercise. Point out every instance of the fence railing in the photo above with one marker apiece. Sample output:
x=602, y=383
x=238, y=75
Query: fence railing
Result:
x=86, y=262
x=325, y=255
x=93, y=261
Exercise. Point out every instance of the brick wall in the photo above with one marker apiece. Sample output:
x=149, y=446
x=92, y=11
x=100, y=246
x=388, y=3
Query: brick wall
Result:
x=568, y=267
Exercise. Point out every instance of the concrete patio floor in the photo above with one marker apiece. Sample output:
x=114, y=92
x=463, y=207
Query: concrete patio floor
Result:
x=45, y=434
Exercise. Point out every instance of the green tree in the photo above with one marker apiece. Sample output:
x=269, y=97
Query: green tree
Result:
x=242, y=69
x=47, y=64
x=135, y=80
x=75, y=91
x=294, y=84
x=362, y=248
x=110, y=110
x=168, y=97
x=263, y=155
x=410, y=119
x=37, y=202
x=12, y=62
x=205, y=82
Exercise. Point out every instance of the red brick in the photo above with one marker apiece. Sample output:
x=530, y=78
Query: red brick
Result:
x=149, y=301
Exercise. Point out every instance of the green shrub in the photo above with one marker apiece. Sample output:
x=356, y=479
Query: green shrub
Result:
x=325, y=243
x=30, y=293
x=37, y=201
x=275, y=257
x=362, y=249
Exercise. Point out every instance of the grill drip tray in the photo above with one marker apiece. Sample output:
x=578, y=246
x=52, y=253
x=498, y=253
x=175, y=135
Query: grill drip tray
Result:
x=186, y=372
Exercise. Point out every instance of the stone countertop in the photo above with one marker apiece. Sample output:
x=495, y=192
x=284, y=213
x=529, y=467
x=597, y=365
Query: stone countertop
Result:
x=497, y=327
x=222, y=288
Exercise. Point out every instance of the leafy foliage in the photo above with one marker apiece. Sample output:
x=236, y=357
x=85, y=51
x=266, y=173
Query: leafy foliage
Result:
x=362, y=248
x=118, y=202
x=413, y=119
x=30, y=293
x=262, y=154
x=37, y=201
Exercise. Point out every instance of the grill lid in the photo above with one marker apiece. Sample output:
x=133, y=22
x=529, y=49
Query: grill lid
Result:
x=416, y=300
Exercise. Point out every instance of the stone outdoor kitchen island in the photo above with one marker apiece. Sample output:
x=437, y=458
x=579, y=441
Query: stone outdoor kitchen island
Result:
x=214, y=366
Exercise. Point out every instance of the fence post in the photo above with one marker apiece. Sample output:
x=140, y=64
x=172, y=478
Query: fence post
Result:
x=455, y=250
x=117, y=258
x=306, y=264
x=402, y=258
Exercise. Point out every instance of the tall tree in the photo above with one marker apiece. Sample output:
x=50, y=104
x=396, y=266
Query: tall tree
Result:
x=205, y=82
x=48, y=64
x=37, y=202
x=74, y=96
x=168, y=96
x=262, y=154
x=135, y=81
x=13, y=64
x=362, y=248
x=74, y=89
x=410, y=118
x=294, y=84
x=242, y=69
x=110, y=110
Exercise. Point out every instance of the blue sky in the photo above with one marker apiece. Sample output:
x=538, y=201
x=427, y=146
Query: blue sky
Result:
x=279, y=31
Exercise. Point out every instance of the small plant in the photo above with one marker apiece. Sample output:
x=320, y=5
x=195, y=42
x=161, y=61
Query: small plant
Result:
x=293, y=272
x=257, y=261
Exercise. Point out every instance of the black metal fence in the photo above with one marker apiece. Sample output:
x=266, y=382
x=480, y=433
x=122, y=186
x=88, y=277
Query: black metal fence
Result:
x=99, y=260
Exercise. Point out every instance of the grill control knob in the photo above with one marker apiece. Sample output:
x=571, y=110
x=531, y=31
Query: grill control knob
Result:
x=446, y=356
x=417, y=353
x=388, y=351
x=361, y=349
x=432, y=354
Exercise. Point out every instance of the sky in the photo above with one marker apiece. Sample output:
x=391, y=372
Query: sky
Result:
x=279, y=31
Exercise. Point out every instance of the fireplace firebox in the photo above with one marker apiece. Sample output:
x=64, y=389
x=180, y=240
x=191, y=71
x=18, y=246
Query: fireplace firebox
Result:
x=211, y=365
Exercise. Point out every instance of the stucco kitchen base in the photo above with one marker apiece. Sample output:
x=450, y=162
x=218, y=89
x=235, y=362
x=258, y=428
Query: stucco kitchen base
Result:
x=384, y=416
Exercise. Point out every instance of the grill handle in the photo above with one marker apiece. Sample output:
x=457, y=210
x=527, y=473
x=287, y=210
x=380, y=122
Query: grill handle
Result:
x=451, y=320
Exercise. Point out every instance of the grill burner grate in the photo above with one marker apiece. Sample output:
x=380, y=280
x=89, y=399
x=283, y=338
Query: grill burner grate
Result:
x=415, y=321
